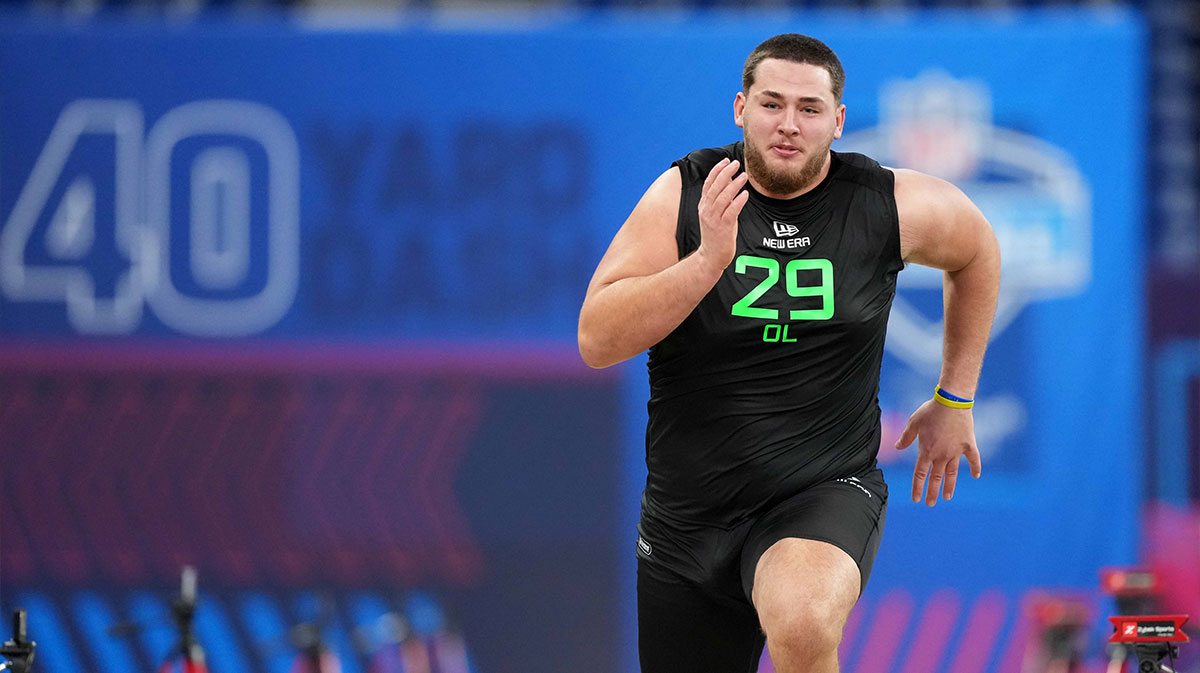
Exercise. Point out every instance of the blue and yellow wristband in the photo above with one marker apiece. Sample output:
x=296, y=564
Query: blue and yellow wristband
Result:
x=950, y=400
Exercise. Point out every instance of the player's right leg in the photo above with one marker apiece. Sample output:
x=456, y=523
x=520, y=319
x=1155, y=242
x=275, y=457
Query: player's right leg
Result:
x=682, y=629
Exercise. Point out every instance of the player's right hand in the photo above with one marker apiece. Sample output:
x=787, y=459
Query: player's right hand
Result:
x=721, y=201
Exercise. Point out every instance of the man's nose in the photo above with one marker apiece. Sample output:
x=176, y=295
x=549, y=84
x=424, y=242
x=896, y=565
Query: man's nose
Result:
x=790, y=125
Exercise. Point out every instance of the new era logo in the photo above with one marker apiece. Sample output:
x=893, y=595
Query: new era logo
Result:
x=785, y=229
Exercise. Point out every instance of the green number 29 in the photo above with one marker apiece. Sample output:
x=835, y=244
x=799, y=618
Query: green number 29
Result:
x=745, y=306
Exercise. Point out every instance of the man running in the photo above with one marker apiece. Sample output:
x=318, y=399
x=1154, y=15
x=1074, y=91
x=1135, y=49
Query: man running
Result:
x=760, y=276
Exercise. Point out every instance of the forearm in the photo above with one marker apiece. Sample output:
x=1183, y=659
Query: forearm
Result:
x=624, y=318
x=969, y=295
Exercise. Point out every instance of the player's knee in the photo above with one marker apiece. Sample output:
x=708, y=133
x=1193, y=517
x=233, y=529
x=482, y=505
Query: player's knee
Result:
x=810, y=631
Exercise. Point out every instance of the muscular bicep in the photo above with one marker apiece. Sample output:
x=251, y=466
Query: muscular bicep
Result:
x=939, y=226
x=646, y=243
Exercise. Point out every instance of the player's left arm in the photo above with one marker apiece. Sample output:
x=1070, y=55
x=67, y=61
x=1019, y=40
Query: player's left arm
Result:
x=941, y=228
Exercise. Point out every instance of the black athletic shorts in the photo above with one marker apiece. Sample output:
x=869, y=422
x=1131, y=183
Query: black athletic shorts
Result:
x=695, y=582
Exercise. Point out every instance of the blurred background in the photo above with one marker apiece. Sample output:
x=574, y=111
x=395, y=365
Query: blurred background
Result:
x=288, y=293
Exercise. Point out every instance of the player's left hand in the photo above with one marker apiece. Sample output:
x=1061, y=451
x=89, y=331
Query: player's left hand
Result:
x=945, y=435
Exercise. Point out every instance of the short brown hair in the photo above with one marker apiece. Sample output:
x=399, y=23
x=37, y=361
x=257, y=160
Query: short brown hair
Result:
x=798, y=49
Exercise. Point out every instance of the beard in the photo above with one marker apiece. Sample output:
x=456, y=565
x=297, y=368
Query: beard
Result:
x=784, y=182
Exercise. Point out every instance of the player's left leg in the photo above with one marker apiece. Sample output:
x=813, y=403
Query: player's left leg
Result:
x=804, y=564
x=803, y=592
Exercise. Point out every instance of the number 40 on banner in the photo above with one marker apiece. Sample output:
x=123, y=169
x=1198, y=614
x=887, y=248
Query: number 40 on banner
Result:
x=49, y=250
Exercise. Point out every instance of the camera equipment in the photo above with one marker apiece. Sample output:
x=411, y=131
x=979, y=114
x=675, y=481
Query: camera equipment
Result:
x=19, y=650
x=1152, y=637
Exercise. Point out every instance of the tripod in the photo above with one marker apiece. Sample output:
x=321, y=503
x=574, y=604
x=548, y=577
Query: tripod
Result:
x=19, y=650
x=186, y=656
x=187, y=653
x=1152, y=638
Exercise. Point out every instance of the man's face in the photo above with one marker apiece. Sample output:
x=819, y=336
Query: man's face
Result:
x=789, y=118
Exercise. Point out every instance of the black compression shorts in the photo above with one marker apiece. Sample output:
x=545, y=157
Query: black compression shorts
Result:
x=695, y=583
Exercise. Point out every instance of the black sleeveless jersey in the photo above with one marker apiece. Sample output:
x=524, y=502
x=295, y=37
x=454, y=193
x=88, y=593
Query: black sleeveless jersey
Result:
x=771, y=384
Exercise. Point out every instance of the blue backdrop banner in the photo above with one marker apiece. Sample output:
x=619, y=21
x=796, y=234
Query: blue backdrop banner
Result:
x=447, y=185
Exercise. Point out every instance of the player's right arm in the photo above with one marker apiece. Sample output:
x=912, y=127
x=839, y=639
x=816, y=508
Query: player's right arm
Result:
x=641, y=290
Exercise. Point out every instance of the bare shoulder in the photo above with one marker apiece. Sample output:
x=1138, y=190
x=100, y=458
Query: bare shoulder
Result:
x=660, y=201
x=915, y=184
x=936, y=219
x=922, y=198
x=645, y=244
